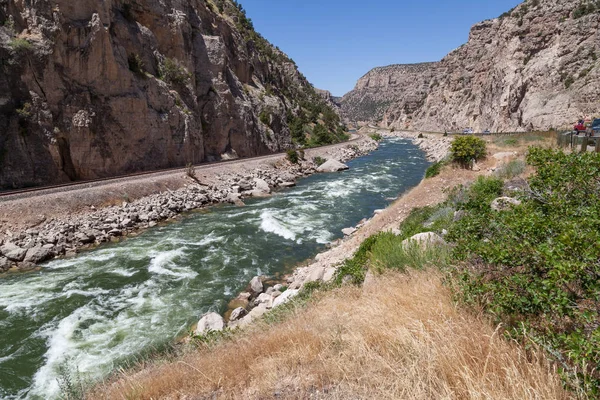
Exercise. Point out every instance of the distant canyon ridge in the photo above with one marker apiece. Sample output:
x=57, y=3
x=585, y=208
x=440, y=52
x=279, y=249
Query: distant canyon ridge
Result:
x=534, y=67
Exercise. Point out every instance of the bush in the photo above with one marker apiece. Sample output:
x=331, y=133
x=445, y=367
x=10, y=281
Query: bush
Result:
x=20, y=45
x=173, y=72
x=319, y=161
x=434, y=169
x=388, y=252
x=292, y=156
x=376, y=137
x=536, y=267
x=512, y=169
x=265, y=117
x=467, y=149
x=420, y=136
x=481, y=194
x=355, y=268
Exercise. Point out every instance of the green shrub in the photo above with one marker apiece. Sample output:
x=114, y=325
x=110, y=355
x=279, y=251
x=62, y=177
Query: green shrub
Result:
x=467, y=149
x=481, y=194
x=388, y=252
x=434, y=169
x=536, y=267
x=265, y=117
x=20, y=45
x=511, y=169
x=319, y=161
x=25, y=112
x=292, y=156
x=355, y=268
x=173, y=72
x=376, y=137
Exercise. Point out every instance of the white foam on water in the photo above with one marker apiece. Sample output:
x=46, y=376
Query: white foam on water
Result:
x=162, y=263
x=85, y=293
x=45, y=381
x=272, y=225
x=123, y=272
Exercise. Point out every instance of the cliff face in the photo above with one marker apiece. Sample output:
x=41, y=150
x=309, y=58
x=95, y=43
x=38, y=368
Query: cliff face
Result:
x=400, y=86
x=92, y=89
x=535, y=67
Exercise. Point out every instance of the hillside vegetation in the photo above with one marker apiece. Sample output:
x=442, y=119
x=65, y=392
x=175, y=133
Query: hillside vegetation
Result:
x=507, y=309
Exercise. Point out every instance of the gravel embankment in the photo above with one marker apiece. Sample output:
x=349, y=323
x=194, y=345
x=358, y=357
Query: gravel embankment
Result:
x=37, y=228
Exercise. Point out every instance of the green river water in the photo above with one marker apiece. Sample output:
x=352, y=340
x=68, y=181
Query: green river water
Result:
x=94, y=312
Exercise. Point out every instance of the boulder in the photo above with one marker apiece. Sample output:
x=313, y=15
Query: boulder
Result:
x=37, y=254
x=315, y=274
x=348, y=231
x=238, y=313
x=504, y=203
x=263, y=298
x=260, y=185
x=332, y=166
x=257, y=311
x=4, y=264
x=256, y=285
x=235, y=198
x=424, y=240
x=211, y=322
x=84, y=238
x=285, y=297
x=329, y=274
x=13, y=252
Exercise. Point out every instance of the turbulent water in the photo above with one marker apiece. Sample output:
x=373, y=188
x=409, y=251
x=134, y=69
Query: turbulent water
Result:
x=85, y=316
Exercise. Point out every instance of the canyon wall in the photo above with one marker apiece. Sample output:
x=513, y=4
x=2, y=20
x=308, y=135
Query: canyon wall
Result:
x=93, y=89
x=535, y=67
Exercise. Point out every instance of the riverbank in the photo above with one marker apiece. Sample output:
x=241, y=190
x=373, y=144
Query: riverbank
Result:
x=397, y=336
x=39, y=228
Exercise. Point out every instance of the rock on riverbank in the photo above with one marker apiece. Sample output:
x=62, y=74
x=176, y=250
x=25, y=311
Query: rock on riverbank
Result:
x=64, y=236
x=437, y=147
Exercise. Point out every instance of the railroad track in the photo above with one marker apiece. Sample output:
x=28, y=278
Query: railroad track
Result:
x=28, y=192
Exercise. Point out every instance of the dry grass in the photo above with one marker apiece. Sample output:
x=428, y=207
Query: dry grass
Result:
x=401, y=337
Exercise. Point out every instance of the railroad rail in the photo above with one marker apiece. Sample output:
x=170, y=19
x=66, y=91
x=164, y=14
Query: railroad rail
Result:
x=19, y=193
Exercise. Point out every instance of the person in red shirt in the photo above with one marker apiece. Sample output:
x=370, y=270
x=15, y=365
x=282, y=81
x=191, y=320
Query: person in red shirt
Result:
x=580, y=127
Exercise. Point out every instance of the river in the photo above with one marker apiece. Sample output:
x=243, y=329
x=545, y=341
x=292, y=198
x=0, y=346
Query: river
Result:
x=90, y=314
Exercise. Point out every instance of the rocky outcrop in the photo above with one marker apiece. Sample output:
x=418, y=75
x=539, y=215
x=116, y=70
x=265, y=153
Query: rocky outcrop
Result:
x=534, y=67
x=93, y=89
x=403, y=87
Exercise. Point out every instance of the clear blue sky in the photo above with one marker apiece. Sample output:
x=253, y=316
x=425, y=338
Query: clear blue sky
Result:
x=335, y=42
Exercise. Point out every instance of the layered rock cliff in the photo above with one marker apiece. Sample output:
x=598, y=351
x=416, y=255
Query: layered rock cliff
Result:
x=404, y=87
x=101, y=88
x=535, y=67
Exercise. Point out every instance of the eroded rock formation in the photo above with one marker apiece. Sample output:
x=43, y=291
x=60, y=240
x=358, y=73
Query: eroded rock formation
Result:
x=535, y=67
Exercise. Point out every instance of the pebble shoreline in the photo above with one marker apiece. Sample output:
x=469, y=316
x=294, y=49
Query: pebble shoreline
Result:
x=64, y=237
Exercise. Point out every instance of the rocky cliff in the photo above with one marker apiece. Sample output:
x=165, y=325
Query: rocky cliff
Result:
x=535, y=67
x=100, y=88
x=400, y=86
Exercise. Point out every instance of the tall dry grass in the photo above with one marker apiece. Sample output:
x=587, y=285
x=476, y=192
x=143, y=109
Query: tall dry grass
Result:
x=400, y=337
